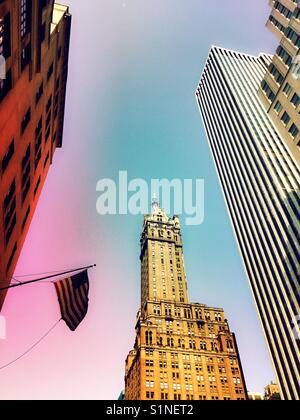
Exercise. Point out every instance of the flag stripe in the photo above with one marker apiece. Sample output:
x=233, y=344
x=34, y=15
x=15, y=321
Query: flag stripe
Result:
x=71, y=302
x=63, y=304
x=79, y=302
x=69, y=316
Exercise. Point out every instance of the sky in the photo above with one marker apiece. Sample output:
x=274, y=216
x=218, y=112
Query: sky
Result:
x=134, y=69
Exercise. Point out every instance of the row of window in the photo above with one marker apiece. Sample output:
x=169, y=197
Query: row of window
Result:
x=277, y=24
x=198, y=368
x=293, y=36
x=279, y=78
x=268, y=91
x=5, y=84
x=9, y=205
x=293, y=130
x=187, y=313
x=189, y=397
x=285, y=56
x=295, y=100
x=283, y=10
x=38, y=132
x=285, y=118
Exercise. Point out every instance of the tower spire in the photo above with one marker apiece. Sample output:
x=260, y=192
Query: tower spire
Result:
x=155, y=204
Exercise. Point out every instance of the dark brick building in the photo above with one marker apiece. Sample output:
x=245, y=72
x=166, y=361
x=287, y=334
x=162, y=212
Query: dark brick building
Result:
x=34, y=40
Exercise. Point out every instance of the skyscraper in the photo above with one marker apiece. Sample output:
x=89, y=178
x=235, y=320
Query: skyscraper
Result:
x=260, y=181
x=183, y=350
x=280, y=88
x=34, y=40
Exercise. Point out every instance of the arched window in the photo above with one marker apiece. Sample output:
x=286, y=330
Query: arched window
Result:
x=149, y=337
x=203, y=345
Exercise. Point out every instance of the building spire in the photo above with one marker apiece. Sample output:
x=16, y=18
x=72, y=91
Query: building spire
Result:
x=155, y=204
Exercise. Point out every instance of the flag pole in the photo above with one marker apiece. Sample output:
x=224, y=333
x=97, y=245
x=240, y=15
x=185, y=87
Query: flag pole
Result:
x=13, y=286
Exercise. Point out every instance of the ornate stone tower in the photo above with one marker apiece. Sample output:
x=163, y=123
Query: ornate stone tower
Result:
x=183, y=351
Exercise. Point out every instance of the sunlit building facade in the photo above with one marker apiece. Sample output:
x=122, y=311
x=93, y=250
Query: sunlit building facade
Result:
x=183, y=350
x=280, y=88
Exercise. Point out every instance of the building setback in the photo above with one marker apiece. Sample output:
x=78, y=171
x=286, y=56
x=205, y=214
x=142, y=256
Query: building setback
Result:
x=183, y=350
x=280, y=88
x=34, y=39
x=260, y=181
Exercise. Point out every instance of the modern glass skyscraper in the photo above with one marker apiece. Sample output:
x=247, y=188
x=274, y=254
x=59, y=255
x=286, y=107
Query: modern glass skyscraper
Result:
x=261, y=183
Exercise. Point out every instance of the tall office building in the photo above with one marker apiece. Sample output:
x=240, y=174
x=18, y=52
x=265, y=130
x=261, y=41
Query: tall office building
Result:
x=182, y=350
x=280, y=88
x=34, y=39
x=260, y=181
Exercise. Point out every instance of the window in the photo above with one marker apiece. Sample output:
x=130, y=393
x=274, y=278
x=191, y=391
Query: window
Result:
x=5, y=37
x=50, y=72
x=37, y=186
x=283, y=10
x=10, y=218
x=285, y=118
x=26, y=120
x=294, y=131
x=295, y=100
x=293, y=36
x=26, y=218
x=11, y=258
x=277, y=24
x=149, y=338
x=287, y=89
x=284, y=55
x=278, y=107
x=42, y=33
x=26, y=172
x=8, y=156
x=268, y=91
x=25, y=17
x=276, y=74
x=25, y=56
x=39, y=93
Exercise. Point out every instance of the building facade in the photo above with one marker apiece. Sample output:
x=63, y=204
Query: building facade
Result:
x=183, y=351
x=261, y=181
x=272, y=392
x=34, y=40
x=255, y=396
x=280, y=88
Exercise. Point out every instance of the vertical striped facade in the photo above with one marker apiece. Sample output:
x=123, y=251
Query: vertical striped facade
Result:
x=261, y=183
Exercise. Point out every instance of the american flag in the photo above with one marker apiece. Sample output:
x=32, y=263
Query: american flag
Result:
x=73, y=297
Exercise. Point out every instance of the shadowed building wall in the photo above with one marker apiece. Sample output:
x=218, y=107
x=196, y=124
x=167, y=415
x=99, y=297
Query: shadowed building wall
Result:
x=34, y=39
